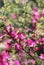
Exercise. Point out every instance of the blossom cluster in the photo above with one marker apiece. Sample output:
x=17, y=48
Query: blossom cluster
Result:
x=20, y=42
x=21, y=33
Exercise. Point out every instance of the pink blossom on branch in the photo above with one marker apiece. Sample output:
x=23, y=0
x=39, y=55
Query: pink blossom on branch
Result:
x=36, y=15
x=14, y=33
x=15, y=16
x=31, y=61
x=18, y=46
x=22, y=36
x=42, y=14
x=23, y=1
x=4, y=56
x=17, y=62
x=34, y=20
x=8, y=44
x=31, y=53
x=31, y=43
x=1, y=37
x=41, y=56
x=8, y=28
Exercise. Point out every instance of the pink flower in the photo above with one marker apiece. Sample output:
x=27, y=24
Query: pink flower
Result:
x=8, y=28
x=1, y=63
x=8, y=41
x=8, y=45
x=42, y=14
x=20, y=54
x=22, y=36
x=23, y=42
x=34, y=20
x=31, y=53
x=23, y=1
x=16, y=37
x=18, y=46
x=25, y=62
x=36, y=15
x=17, y=62
x=43, y=39
x=31, y=43
x=35, y=9
x=15, y=16
x=6, y=63
x=41, y=56
x=31, y=61
x=1, y=60
x=27, y=29
x=5, y=55
x=36, y=49
x=1, y=36
x=14, y=33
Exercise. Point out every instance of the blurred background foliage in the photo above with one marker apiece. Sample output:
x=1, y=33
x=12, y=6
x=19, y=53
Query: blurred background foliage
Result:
x=24, y=12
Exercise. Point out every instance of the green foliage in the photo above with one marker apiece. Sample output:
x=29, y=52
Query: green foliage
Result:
x=1, y=24
x=40, y=3
x=24, y=12
x=39, y=62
